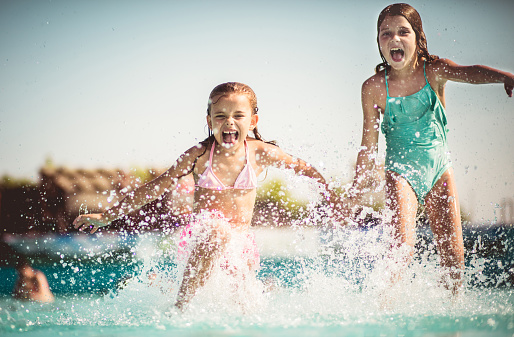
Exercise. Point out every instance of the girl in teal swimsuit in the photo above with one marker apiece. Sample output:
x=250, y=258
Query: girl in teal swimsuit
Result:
x=408, y=91
x=225, y=167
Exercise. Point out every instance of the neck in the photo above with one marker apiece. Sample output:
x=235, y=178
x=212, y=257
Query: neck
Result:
x=406, y=71
x=229, y=152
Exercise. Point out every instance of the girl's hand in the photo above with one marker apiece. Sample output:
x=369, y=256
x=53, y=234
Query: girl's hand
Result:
x=347, y=209
x=509, y=85
x=342, y=208
x=84, y=221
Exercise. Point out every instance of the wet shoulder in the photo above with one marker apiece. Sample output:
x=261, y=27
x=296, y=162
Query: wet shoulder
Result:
x=375, y=85
x=437, y=74
x=441, y=69
x=262, y=152
x=255, y=147
x=374, y=91
x=197, y=154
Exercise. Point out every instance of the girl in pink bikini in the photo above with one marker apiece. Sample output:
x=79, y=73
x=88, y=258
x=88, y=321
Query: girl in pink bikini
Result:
x=225, y=167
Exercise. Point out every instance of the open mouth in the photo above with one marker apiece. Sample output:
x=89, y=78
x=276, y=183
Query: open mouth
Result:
x=230, y=137
x=397, y=54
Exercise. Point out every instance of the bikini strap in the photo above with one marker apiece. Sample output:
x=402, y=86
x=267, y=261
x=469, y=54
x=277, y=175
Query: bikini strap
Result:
x=247, y=154
x=425, y=71
x=212, y=152
x=387, y=86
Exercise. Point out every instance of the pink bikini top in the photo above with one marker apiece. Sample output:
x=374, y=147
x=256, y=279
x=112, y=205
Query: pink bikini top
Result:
x=246, y=180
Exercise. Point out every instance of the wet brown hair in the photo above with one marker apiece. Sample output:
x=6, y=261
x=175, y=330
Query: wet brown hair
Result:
x=412, y=15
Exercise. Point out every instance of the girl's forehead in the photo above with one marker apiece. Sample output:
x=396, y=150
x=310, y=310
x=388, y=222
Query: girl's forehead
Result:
x=231, y=98
x=392, y=21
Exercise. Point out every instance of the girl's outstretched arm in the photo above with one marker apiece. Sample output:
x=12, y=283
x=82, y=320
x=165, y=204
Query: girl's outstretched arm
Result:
x=448, y=70
x=274, y=156
x=271, y=155
x=142, y=195
x=131, y=202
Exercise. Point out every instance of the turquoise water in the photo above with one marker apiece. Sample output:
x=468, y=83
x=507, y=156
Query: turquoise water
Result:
x=103, y=288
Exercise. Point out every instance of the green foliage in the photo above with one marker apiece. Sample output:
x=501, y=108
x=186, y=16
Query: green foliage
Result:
x=8, y=182
x=49, y=162
x=372, y=196
x=142, y=175
x=276, y=195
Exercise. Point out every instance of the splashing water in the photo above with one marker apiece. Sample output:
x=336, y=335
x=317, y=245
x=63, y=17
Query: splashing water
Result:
x=317, y=280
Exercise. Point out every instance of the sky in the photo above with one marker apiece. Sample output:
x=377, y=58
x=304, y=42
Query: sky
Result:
x=104, y=84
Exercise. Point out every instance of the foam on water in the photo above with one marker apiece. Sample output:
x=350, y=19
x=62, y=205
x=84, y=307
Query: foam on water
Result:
x=341, y=288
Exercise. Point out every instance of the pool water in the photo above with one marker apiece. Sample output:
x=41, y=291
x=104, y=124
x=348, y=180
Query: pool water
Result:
x=125, y=286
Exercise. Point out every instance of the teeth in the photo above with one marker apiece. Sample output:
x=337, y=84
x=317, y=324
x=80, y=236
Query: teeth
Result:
x=230, y=132
x=396, y=49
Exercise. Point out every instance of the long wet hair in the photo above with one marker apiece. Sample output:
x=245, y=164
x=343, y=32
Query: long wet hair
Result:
x=412, y=15
x=223, y=90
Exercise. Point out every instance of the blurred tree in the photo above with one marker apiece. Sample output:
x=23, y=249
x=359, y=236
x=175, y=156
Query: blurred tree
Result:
x=276, y=205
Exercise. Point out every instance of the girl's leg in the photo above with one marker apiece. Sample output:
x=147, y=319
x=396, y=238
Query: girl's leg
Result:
x=403, y=203
x=200, y=264
x=442, y=205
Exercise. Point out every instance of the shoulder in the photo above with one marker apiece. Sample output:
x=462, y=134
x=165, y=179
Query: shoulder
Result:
x=439, y=72
x=373, y=93
x=265, y=153
x=259, y=147
x=373, y=89
x=441, y=63
x=441, y=69
x=190, y=156
x=196, y=150
x=375, y=82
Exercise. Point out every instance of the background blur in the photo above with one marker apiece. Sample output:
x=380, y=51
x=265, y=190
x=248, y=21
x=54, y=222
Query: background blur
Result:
x=112, y=84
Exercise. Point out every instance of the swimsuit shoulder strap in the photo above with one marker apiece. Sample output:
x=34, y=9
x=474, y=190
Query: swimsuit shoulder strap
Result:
x=387, y=86
x=425, y=71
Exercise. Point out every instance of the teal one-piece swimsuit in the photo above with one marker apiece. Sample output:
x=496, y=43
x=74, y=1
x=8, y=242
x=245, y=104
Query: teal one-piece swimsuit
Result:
x=415, y=131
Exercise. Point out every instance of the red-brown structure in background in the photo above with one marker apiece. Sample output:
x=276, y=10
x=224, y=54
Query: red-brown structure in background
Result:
x=19, y=209
x=63, y=194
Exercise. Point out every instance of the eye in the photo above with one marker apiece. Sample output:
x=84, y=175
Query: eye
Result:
x=404, y=32
x=386, y=33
